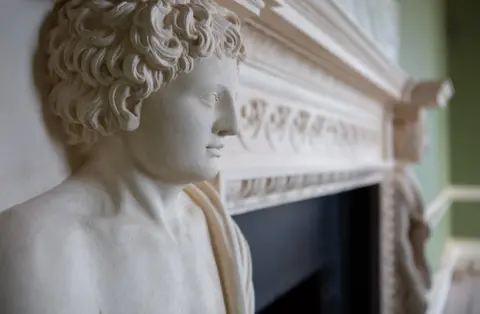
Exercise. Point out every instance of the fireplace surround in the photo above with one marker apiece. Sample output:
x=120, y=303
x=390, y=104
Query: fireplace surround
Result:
x=321, y=90
x=319, y=255
x=316, y=134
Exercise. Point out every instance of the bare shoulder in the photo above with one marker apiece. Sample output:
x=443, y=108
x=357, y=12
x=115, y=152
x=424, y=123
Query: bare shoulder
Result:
x=40, y=242
x=53, y=212
x=43, y=222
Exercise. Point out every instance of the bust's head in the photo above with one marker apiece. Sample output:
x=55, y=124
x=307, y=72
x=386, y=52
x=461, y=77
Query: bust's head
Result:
x=159, y=74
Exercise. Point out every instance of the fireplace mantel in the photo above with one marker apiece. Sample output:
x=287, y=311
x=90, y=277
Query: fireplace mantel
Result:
x=320, y=92
x=316, y=105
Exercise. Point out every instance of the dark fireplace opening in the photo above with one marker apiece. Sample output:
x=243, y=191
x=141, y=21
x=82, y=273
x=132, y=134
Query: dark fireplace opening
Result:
x=316, y=256
x=307, y=294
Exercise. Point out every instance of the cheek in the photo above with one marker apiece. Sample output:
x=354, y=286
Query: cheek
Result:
x=195, y=118
x=191, y=127
x=180, y=126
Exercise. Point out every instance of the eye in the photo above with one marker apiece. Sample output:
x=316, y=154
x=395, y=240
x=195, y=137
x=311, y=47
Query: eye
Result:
x=211, y=99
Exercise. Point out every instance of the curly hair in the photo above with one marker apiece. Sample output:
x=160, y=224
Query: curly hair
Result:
x=107, y=56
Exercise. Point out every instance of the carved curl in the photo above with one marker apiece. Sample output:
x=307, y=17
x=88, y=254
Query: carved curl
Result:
x=107, y=56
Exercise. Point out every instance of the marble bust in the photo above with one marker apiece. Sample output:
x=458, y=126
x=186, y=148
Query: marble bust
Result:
x=147, y=89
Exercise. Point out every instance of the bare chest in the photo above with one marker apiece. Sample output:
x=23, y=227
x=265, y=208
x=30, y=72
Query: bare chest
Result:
x=155, y=269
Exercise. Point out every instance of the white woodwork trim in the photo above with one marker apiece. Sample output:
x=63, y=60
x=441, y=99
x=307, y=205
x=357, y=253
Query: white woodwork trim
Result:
x=437, y=208
x=465, y=193
x=442, y=279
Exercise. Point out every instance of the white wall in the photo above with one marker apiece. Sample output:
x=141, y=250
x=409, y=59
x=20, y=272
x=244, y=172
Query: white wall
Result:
x=30, y=161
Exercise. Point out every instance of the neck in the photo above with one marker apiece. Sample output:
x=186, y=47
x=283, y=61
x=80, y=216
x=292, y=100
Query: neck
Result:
x=127, y=183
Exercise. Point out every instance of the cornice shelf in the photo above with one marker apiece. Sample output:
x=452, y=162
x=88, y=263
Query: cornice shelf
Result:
x=322, y=32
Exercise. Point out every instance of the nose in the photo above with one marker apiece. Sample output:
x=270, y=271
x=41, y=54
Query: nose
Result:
x=226, y=123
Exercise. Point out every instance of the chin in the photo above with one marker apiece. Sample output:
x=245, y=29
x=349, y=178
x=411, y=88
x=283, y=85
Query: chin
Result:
x=204, y=172
x=207, y=174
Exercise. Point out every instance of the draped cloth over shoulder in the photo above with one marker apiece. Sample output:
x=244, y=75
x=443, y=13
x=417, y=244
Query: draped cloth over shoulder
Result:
x=413, y=274
x=231, y=250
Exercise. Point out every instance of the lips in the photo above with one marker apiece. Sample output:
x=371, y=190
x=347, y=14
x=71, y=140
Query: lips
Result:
x=215, y=150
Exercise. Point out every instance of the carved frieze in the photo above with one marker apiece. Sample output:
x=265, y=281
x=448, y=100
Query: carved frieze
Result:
x=279, y=127
x=250, y=194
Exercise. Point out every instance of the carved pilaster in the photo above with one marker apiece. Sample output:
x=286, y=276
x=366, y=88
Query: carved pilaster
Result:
x=387, y=244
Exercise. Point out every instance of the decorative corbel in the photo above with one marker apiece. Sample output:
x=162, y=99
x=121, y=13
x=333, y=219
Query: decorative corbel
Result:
x=408, y=122
x=429, y=94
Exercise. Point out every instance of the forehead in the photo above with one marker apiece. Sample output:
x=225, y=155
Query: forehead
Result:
x=211, y=71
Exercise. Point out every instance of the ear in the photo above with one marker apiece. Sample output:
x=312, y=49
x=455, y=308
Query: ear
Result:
x=125, y=107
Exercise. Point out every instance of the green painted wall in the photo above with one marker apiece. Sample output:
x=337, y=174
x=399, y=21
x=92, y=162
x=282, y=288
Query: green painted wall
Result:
x=438, y=238
x=466, y=220
x=464, y=68
x=423, y=54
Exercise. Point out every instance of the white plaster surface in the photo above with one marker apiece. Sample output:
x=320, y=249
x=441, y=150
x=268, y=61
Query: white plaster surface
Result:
x=30, y=161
